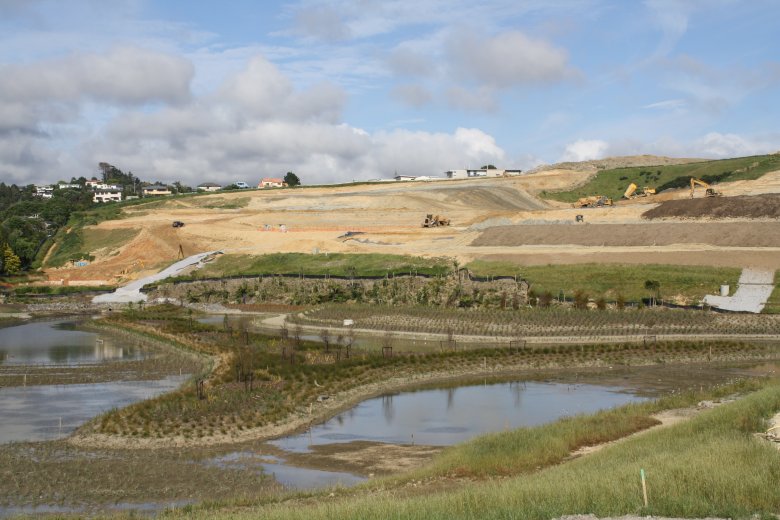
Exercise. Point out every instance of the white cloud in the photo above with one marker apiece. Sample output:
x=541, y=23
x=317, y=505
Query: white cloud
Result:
x=125, y=75
x=718, y=145
x=585, y=150
x=668, y=104
x=508, y=59
x=412, y=95
x=482, y=98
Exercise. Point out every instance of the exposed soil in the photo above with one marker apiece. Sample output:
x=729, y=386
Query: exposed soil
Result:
x=364, y=457
x=727, y=234
x=756, y=207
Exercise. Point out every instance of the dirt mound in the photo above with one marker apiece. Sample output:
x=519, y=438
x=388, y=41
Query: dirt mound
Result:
x=617, y=162
x=759, y=206
x=729, y=234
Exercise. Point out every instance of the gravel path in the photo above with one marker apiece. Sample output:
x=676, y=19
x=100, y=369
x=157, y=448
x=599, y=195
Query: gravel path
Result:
x=132, y=291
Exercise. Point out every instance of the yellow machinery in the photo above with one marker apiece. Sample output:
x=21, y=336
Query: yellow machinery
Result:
x=596, y=201
x=435, y=221
x=708, y=190
x=631, y=191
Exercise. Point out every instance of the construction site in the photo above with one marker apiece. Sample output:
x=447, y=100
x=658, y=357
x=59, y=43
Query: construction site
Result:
x=510, y=219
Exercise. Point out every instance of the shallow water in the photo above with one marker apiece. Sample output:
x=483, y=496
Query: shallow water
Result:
x=442, y=417
x=56, y=342
x=37, y=413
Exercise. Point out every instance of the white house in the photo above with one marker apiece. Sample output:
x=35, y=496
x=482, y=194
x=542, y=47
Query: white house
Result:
x=92, y=183
x=481, y=172
x=107, y=195
x=272, y=182
x=44, y=192
x=65, y=186
x=155, y=190
x=209, y=186
x=404, y=178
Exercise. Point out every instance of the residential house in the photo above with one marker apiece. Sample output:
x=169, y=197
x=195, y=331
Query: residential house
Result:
x=107, y=195
x=92, y=183
x=404, y=178
x=44, y=191
x=272, y=182
x=155, y=190
x=209, y=186
x=65, y=186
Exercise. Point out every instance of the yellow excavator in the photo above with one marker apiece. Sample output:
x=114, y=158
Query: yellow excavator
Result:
x=708, y=190
x=631, y=191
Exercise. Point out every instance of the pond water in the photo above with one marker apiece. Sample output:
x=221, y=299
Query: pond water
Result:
x=57, y=342
x=436, y=417
x=37, y=413
x=441, y=417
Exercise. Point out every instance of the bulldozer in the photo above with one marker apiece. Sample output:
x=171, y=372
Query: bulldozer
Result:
x=633, y=192
x=595, y=201
x=435, y=221
x=708, y=190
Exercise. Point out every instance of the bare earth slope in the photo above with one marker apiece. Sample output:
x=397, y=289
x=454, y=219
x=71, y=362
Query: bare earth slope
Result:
x=389, y=216
x=755, y=207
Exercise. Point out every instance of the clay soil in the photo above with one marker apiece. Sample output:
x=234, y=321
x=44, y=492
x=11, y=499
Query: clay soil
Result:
x=765, y=206
x=389, y=217
x=727, y=234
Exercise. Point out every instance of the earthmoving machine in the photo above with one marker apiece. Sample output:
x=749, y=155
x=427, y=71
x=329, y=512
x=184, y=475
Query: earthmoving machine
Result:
x=596, y=201
x=435, y=221
x=632, y=193
x=708, y=190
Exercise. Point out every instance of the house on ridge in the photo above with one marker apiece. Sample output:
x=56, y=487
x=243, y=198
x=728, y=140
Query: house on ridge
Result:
x=272, y=182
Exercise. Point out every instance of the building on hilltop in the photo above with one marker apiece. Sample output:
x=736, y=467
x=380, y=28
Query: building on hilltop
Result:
x=272, y=182
x=481, y=172
x=209, y=186
x=107, y=195
x=44, y=191
x=155, y=190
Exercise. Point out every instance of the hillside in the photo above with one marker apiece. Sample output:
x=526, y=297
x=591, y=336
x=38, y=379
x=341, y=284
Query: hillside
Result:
x=387, y=219
x=613, y=182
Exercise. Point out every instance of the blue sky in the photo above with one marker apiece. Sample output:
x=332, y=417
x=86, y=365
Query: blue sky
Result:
x=359, y=89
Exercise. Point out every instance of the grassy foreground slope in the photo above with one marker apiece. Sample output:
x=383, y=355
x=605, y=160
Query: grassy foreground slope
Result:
x=614, y=182
x=611, y=280
x=711, y=465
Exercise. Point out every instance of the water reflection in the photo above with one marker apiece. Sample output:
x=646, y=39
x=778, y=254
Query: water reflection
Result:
x=36, y=413
x=57, y=342
x=443, y=417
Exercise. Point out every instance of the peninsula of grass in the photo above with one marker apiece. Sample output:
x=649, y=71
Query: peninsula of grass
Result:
x=262, y=386
x=709, y=466
x=612, y=280
x=613, y=183
x=332, y=264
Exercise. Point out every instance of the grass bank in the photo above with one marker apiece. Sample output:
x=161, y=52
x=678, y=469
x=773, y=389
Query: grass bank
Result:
x=613, y=280
x=333, y=264
x=613, y=183
x=685, y=477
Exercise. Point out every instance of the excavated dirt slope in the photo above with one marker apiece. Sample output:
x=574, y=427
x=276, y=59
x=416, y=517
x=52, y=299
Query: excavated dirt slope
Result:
x=759, y=206
x=729, y=234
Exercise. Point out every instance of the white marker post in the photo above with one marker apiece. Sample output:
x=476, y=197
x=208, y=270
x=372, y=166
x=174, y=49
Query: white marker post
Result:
x=644, y=485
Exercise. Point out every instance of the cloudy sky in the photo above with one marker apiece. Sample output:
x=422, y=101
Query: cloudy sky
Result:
x=357, y=89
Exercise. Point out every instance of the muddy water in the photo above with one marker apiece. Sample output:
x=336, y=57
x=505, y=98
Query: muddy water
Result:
x=37, y=413
x=430, y=417
x=442, y=417
x=57, y=342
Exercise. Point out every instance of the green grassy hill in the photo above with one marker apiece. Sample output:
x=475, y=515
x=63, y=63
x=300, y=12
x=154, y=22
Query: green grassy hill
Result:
x=613, y=183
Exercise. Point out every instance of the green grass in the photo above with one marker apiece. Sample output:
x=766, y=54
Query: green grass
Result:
x=773, y=304
x=710, y=465
x=94, y=239
x=334, y=264
x=59, y=290
x=614, y=182
x=610, y=280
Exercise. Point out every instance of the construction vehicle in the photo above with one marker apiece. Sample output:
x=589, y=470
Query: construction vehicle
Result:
x=435, y=221
x=632, y=193
x=708, y=190
x=596, y=201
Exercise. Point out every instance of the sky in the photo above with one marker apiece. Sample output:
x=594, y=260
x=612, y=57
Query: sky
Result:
x=341, y=90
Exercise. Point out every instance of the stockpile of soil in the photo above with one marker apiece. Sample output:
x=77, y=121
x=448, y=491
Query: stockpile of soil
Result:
x=758, y=206
x=727, y=234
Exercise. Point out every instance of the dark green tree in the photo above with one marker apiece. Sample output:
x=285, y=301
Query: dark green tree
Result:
x=292, y=180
